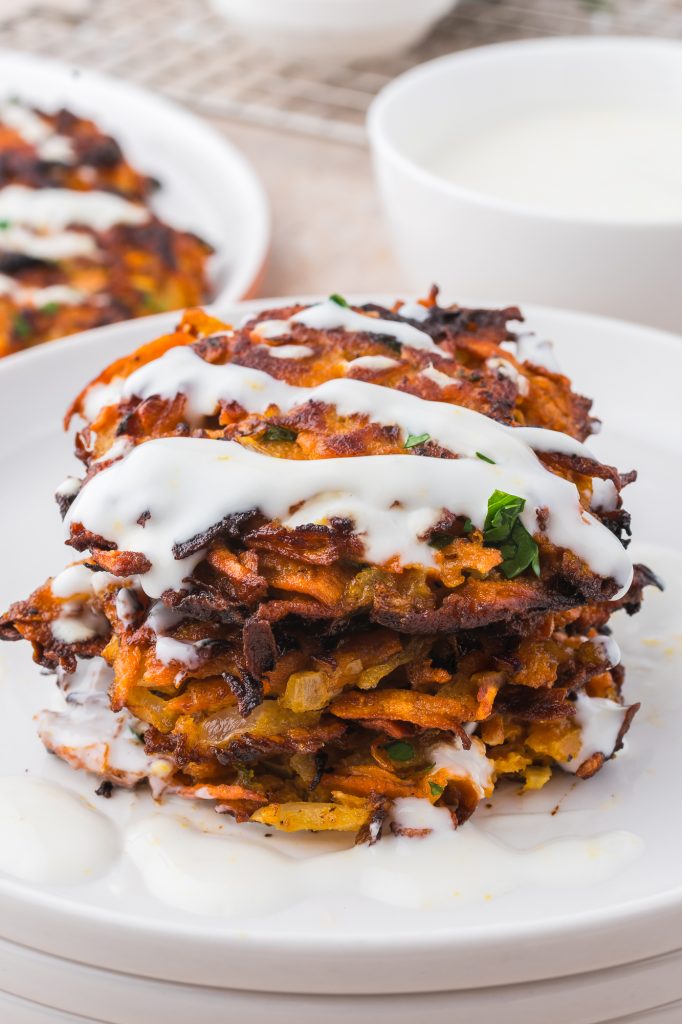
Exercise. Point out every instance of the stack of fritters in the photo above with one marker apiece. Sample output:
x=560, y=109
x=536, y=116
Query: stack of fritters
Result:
x=130, y=270
x=290, y=679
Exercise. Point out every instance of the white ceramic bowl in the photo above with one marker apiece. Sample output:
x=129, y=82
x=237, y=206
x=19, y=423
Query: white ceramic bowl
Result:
x=490, y=249
x=338, y=29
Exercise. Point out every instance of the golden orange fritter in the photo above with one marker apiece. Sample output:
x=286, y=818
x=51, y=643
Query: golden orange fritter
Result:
x=63, y=270
x=292, y=680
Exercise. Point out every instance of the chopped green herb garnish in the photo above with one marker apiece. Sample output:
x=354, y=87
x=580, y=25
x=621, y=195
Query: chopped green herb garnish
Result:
x=399, y=750
x=388, y=340
x=50, y=307
x=503, y=511
x=468, y=526
x=484, y=458
x=152, y=303
x=21, y=326
x=277, y=433
x=503, y=528
x=436, y=790
x=338, y=299
x=440, y=541
x=4, y=224
x=414, y=439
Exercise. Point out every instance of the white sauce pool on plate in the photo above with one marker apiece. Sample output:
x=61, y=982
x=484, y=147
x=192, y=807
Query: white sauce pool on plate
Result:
x=229, y=875
x=609, y=162
x=52, y=836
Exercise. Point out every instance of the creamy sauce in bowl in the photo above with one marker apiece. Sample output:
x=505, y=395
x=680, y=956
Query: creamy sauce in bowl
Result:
x=607, y=162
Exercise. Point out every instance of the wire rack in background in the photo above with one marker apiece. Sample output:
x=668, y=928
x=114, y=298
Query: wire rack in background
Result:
x=182, y=49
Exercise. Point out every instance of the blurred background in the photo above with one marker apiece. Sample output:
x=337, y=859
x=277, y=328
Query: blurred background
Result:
x=300, y=121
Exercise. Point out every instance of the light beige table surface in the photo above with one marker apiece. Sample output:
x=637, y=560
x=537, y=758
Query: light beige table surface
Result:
x=328, y=232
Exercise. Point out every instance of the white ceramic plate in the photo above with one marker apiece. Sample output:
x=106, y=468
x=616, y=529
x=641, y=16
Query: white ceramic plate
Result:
x=353, y=945
x=206, y=184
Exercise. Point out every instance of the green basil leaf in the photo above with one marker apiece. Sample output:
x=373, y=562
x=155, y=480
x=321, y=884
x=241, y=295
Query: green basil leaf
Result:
x=21, y=326
x=503, y=511
x=277, y=433
x=503, y=528
x=390, y=342
x=414, y=439
x=338, y=299
x=399, y=750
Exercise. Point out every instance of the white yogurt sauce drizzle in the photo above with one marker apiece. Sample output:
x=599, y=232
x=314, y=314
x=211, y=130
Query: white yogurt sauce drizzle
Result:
x=65, y=245
x=170, y=651
x=439, y=378
x=75, y=579
x=52, y=836
x=392, y=499
x=60, y=293
x=372, y=363
x=126, y=606
x=37, y=222
x=78, y=623
x=364, y=498
x=83, y=730
x=289, y=351
x=604, y=495
x=119, y=448
x=414, y=311
x=330, y=316
x=508, y=370
x=539, y=351
x=607, y=646
x=54, y=209
x=206, y=385
x=50, y=145
x=469, y=764
x=69, y=487
x=600, y=722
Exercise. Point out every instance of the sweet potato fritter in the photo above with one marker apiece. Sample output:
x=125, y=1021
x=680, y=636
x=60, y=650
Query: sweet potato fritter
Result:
x=290, y=679
x=48, y=290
